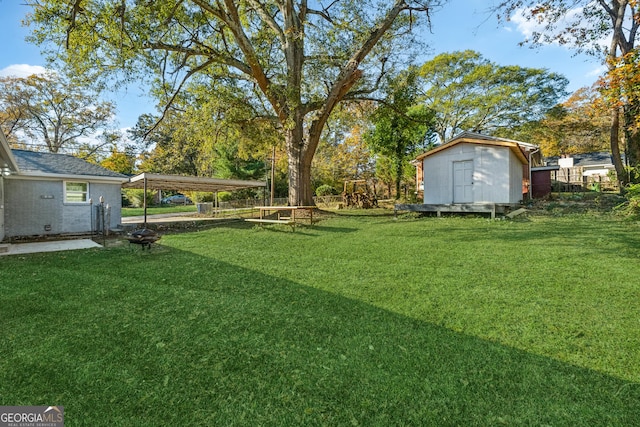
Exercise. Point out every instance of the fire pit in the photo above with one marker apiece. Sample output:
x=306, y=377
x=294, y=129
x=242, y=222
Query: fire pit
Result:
x=143, y=237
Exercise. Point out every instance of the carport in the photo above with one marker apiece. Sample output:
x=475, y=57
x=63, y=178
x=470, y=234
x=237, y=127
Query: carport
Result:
x=150, y=181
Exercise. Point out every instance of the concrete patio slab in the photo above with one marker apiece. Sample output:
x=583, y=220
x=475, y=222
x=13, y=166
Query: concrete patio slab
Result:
x=37, y=247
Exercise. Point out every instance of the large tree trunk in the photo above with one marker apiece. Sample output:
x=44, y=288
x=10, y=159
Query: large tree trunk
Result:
x=300, y=191
x=615, y=147
x=399, y=169
x=300, y=152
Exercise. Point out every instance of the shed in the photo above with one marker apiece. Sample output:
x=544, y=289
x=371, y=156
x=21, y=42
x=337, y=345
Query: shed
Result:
x=476, y=168
x=541, y=184
x=52, y=194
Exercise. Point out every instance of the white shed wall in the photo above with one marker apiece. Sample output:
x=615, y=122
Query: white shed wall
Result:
x=516, y=176
x=497, y=175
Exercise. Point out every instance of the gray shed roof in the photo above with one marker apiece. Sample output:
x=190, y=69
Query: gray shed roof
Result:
x=38, y=163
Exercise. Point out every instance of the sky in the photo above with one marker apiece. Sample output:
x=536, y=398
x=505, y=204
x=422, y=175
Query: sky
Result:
x=460, y=25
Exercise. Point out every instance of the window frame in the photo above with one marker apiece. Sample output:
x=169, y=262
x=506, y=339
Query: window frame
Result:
x=83, y=193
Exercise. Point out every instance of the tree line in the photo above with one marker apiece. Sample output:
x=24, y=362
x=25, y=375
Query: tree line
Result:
x=321, y=84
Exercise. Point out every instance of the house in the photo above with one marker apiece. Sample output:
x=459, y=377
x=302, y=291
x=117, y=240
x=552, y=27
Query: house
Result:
x=582, y=170
x=8, y=166
x=473, y=168
x=53, y=194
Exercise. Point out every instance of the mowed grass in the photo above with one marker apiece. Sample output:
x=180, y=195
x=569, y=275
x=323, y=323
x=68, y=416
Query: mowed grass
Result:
x=358, y=320
x=153, y=210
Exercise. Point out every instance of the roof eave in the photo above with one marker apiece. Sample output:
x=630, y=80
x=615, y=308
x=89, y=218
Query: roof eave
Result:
x=512, y=145
x=5, y=153
x=68, y=177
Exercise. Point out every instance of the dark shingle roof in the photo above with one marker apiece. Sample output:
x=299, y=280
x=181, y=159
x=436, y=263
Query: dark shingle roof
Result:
x=60, y=164
x=586, y=159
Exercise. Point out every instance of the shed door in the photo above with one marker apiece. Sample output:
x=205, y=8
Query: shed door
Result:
x=463, y=181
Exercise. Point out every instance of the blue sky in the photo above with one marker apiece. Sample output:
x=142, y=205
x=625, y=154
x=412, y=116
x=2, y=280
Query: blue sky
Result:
x=460, y=25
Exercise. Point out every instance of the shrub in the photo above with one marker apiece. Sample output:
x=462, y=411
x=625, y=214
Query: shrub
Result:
x=201, y=196
x=225, y=196
x=133, y=197
x=325, y=190
x=631, y=208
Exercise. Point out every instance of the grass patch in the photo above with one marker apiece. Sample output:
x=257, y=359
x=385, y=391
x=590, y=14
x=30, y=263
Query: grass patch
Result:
x=158, y=210
x=358, y=320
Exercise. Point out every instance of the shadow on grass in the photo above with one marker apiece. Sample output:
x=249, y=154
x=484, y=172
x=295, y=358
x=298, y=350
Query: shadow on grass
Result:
x=301, y=228
x=176, y=338
x=548, y=230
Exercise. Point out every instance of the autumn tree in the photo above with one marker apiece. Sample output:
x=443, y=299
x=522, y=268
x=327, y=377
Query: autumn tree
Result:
x=342, y=155
x=119, y=161
x=168, y=152
x=470, y=93
x=225, y=136
x=300, y=58
x=53, y=110
x=402, y=128
x=591, y=22
x=621, y=90
x=578, y=125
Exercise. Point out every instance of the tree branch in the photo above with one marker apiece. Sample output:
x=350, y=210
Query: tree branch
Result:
x=260, y=9
x=175, y=94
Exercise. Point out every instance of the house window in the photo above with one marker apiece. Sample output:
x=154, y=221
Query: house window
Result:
x=76, y=192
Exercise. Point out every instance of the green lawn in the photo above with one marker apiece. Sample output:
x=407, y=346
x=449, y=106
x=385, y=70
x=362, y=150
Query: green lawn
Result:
x=152, y=210
x=358, y=320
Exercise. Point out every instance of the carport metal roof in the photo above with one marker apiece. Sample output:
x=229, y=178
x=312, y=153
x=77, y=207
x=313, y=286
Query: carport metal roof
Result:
x=152, y=181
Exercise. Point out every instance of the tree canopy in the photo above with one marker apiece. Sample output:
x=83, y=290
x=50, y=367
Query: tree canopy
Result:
x=298, y=59
x=578, y=125
x=470, y=93
x=54, y=112
x=591, y=23
x=342, y=154
x=402, y=128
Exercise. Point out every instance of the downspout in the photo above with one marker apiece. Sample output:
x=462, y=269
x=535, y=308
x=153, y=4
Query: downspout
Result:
x=531, y=153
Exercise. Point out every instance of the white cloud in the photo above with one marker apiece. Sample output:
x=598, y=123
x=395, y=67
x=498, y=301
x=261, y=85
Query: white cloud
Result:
x=22, y=70
x=536, y=24
x=597, y=72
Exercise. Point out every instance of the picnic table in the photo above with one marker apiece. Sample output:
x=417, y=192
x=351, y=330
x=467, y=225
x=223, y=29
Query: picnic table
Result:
x=285, y=215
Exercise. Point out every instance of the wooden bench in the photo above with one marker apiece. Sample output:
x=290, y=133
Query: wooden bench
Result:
x=286, y=215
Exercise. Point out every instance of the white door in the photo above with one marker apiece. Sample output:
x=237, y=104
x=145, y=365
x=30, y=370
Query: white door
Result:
x=463, y=181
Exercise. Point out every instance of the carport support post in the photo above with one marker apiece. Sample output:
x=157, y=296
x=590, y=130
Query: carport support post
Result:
x=144, y=201
x=273, y=176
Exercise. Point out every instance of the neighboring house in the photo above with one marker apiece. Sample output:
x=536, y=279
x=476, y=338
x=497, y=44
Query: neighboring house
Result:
x=476, y=168
x=51, y=194
x=582, y=169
